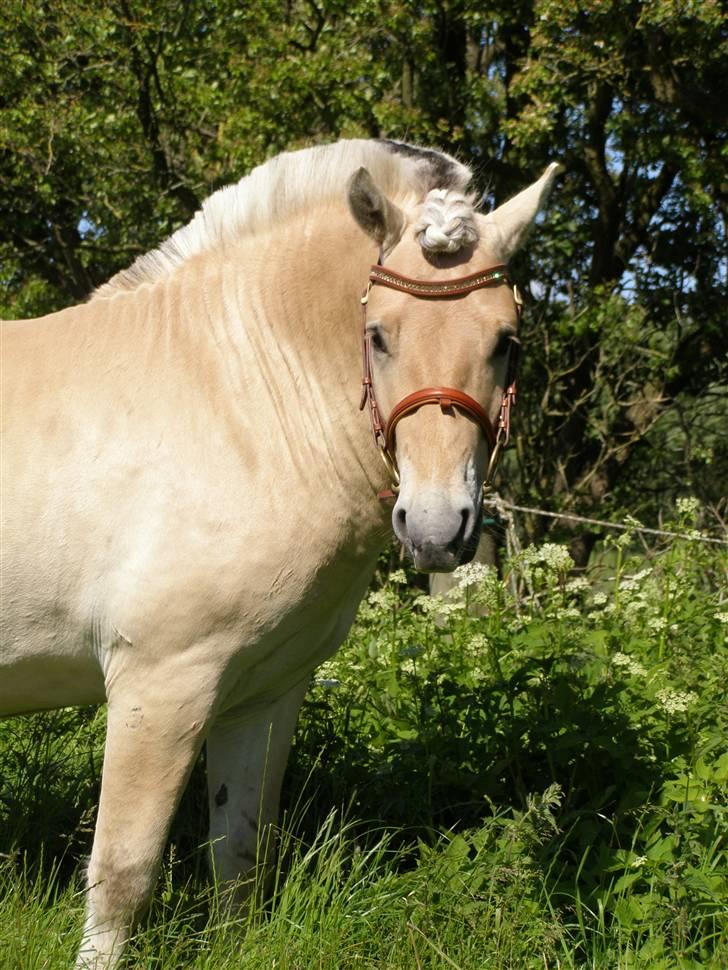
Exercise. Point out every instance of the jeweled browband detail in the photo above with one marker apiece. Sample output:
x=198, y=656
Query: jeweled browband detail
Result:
x=426, y=288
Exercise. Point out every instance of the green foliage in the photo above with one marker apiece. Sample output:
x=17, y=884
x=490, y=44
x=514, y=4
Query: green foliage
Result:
x=50, y=773
x=609, y=698
x=544, y=784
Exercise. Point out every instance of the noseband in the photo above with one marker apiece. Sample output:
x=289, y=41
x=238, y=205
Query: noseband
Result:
x=446, y=397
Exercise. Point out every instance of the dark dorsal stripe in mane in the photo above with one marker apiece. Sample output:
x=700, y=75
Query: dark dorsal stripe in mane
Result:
x=445, y=172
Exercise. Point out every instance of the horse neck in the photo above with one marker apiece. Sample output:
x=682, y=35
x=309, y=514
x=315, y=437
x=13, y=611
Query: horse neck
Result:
x=291, y=312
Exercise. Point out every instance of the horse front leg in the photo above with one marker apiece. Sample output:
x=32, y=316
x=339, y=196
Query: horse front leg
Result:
x=246, y=759
x=156, y=726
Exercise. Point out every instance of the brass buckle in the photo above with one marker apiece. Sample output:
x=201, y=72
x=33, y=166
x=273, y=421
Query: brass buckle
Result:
x=493, y=461
x=391, y=465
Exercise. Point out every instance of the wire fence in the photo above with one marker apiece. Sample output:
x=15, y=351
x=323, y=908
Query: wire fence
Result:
x=501, y=506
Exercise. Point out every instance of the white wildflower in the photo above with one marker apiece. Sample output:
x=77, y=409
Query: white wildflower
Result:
x=473, y=573
x=577, y=585
x=545, y=562
x=676, y=701
x=633, y=611
x=599, y=599
x=455, y=596
x=568, y=613
x=657, y=623
x=688, y=508
x=478, y=642
x=556, y=557
x=633, y=582
x=629, y=664
x=438, y=606
x=721, y=617
x=639, y=861
x=398, y=576
x=386, y=599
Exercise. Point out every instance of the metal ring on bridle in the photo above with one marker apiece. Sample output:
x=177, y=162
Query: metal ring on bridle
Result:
x=390, y=463
x=493, y=462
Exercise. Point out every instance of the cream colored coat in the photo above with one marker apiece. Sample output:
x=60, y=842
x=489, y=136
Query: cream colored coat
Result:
x=190, y=515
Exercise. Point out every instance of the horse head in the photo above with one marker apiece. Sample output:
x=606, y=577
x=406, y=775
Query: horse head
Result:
x=440, y=344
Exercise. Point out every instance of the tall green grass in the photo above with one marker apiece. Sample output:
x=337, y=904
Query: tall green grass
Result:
x=544, y=785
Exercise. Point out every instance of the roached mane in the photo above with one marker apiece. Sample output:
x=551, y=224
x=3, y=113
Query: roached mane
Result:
x=293, y=181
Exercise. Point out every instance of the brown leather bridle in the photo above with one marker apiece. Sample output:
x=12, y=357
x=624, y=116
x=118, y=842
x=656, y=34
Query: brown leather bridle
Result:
x=447, y=397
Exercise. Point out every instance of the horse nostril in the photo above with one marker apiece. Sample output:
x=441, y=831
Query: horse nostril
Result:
x=464, y=521
x=402, y=517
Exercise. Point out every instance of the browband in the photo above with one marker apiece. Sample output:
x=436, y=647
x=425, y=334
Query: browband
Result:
x=430, y=290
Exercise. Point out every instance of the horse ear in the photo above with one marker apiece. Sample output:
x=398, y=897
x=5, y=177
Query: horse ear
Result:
x=509, y=224
x=377, y=216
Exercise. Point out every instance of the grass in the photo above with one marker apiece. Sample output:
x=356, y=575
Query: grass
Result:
x=542, y=786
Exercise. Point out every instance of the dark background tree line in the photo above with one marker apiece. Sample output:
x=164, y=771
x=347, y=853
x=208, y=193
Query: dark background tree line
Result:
x=117, y=121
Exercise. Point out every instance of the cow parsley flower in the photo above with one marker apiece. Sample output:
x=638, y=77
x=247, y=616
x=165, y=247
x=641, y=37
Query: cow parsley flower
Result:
x=439, y=606
x=385, y=599
x=546, y=562
x=629, y=664
x=657, y=623
x=567, y=613
x=676, y=701
x=472, y=574
x=629, y=583
x=478, y=643
x=556, y=557
x=688, y=508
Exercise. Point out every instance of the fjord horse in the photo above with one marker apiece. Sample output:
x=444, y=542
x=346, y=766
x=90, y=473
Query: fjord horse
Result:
x=190, y=487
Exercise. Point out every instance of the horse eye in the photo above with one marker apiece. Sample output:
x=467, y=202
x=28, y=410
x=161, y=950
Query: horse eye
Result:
x=377, y=338
x=505, y=343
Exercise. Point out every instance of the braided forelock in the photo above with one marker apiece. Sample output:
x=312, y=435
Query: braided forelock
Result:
x=447, y=221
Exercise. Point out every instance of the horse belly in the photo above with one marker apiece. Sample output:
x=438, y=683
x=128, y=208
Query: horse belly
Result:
x=47, y=656
x=37, y=682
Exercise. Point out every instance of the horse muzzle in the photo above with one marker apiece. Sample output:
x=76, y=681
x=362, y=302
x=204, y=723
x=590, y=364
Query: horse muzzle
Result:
x=438, y=531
